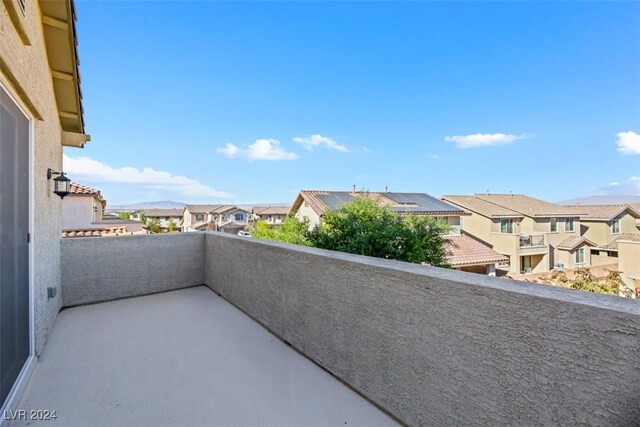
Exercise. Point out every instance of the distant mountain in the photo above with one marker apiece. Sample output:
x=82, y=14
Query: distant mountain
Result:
x=601, y=200
x=164, y=204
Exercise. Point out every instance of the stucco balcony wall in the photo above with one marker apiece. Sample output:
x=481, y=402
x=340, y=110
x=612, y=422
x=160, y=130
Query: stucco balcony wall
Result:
x=96, y=269
x=441, y=347
x=430, y=346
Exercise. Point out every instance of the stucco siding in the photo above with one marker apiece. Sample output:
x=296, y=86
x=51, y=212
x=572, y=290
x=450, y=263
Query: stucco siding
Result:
x=389, y=330
x=29, y=66
x=129, y=266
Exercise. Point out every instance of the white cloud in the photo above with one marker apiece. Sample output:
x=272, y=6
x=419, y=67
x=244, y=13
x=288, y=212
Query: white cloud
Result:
x=628, y=142
x=630, y=187
x=484, y=139
x=434, y=156
x=310, y=142
x=86, y=170
x=262, y=149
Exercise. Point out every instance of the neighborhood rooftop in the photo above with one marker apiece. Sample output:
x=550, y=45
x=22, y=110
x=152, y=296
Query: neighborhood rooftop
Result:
x=465, y=250
x=414, y=203
x=604, y=212
x=501, y=205
x=152, y=213
x=271, y=210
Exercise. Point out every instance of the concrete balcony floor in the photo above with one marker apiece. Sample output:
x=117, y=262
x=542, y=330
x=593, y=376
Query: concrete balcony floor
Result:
x=185, y=357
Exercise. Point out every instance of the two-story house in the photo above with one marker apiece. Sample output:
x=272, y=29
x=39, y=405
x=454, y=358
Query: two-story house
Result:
x=227, y=218
x=271, y=215
x=464, y=252
x=534, y=234
x=83, y=216
x=605, y=226
x=165, y=217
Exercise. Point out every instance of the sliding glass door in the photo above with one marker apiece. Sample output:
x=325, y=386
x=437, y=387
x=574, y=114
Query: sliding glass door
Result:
x=14, y=245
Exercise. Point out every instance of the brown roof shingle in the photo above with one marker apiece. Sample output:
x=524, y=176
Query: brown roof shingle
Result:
x=465, y=251
x=603, y=212
x=527, y=205
x=570, y=243
x=271, y=210
x=483, y=207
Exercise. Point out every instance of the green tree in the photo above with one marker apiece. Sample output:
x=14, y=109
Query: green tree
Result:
x=125, y=215
x=143, y=218
x=154, y=226
x=171, y=226
x=290, y=231
x=363, y=227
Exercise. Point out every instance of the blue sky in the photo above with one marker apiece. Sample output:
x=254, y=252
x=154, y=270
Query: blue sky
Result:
x=251, y=102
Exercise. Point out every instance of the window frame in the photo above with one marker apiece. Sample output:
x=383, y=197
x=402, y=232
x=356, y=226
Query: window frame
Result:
x=510, y=227
x=614, y=223
x=580, y=253
x=571, y=221
x=553, y=225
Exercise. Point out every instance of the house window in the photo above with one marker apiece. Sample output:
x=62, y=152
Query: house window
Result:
x=239, y=217
x=265, y=217
x=615, y=226
x=199, y=217
x=553, y=225
x=306, y=205
x=506, y=226
x=580, y=256
x=569, y=225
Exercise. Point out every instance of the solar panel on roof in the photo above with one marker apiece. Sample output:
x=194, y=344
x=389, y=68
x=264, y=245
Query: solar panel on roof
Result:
x=335, y=199
x=425, y=202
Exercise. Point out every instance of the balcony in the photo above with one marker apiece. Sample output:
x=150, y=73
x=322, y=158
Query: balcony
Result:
x=238, y=331
x=529, y=240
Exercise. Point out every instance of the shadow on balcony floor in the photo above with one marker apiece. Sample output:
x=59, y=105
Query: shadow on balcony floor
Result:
x=184, y=357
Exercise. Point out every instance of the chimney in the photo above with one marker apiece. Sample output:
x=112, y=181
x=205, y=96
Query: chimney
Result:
x=354, y=188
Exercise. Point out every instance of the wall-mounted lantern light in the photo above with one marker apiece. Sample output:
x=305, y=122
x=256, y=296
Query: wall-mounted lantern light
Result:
x=61, y=184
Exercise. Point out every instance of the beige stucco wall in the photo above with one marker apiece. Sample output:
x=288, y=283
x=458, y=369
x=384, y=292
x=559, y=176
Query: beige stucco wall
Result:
x=568, y=258
x=29, y=66
x=599, y=232
x=488, y=230
x=629, y=259
x=78, y=212
x=307, y=211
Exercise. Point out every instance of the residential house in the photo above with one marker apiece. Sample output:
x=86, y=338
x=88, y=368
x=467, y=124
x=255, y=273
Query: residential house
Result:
x=83, y=216
x=271, y=215
x=227, y=218
x=386, y=329
x=605, y=226
x=534, y=234
x=465, y=253
x=40, y=111
x=165, y=217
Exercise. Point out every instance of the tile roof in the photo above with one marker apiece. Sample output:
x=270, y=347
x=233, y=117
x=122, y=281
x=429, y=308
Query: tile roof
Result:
x=480, y=206
x=201, y=208
x=570, y=243
x=613, y=244
x=96, y=232
x=155, y=213
x=82, y=189
x=271, y=210
x=408, y=203
x=465, y=251
x=603, y=212
x=225, y=208
x=528, y=206
x=200, y=224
